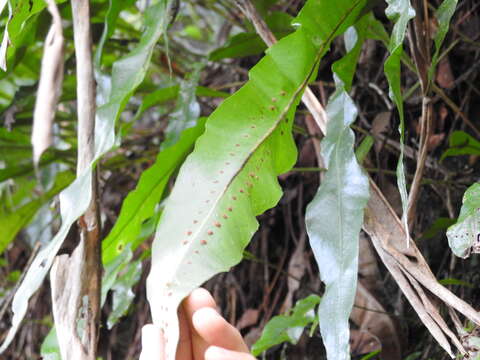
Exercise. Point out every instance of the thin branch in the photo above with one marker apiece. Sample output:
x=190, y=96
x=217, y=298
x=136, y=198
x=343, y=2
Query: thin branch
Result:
x=76, y=279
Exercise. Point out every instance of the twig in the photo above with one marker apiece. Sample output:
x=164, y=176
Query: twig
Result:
x=76, y=279
x=419, y=42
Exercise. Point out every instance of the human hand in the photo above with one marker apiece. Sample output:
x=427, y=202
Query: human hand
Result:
x=204, y=334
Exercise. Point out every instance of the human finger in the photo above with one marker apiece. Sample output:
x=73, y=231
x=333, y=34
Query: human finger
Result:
x=152, y=343
x=198, y=299
x=184, y=348
x=215, y=330
x=218, y=353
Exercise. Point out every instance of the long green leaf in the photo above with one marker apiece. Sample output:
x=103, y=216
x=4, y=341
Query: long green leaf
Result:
x=399, y=11
x=465, y=234
x=335, y=216
x=230, y=177
x=140, y=204
x=127, y=74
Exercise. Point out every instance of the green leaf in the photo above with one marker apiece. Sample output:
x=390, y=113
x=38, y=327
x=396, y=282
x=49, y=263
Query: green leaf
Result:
x=461, y=143
x=247, y=44
x=364, y=148
x=11, y=223
x=16, y=33
x=127, y=74
x=114, y=9
x=50, y=349
x=187, y=111
x=452, y=281
x=466, y=232
x=444, y=15
x=240, y=45
x=399, y=11
x=140, y=203
x=440, y=225
x=289, y=327
x=126, y=275
x=230, y=177
x=335, y=216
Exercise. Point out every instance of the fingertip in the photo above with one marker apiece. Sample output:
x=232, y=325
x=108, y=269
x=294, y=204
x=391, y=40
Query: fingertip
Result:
x=218, y=353
x=201, y=296
x=152, y=342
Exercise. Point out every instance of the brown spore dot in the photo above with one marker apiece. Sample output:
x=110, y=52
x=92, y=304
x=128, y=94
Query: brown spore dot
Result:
x=237, y=145
x=242, y=191
x=246, y=136
x=217, y=224
x=227, y=163
x=196, y=252
x=195, y=221
x=210, y=232
x=203, y=242
x=225, y=216
x=221, y=171
x=207, y=201
x=232, y=154
x=249, y=184
x=189, y=233
x=253, y=127
x=234, y=197
x=274, y=99
x=185, y=242
x=251, y=174
x=230, y=209
x=272, y=108
x=281, y=132
x=283, y=93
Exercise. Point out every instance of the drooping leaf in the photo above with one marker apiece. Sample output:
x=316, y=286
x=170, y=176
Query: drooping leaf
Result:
x=127, y=74
x=465, y=234
x=461, y=143
x=335, y=215
x=187, y=110
x=289, y=327
x=230, y=177
x=399, y=11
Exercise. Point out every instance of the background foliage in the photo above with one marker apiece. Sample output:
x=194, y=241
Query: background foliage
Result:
x=158, y=88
